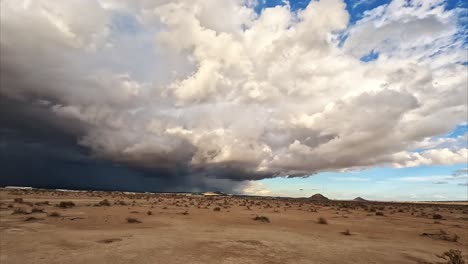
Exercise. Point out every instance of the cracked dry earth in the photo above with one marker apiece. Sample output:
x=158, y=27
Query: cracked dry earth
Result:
x=187, y=229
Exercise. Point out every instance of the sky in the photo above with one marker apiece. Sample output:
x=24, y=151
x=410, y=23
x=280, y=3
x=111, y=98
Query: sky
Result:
x=283, y=98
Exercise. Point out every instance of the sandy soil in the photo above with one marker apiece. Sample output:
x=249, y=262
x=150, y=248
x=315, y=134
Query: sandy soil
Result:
x=187, y=229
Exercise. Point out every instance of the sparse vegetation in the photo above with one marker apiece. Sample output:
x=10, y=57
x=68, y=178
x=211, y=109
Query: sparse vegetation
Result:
x=437, y=216
x=379, y=213
x=452, y=256
x=216, y=209
x=119, y=202
x=66, y=204
x=442, y=235
x=132, y=220
x=19, y=211
x=32, y=218
x=37, y=210
x=104, y=202
x=262, y=219
x=346, y=232
x=322, y=221
x=18, y=200
x=149, y=213
x=54, y=214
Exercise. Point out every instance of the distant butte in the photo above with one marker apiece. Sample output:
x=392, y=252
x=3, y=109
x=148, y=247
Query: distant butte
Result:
x=359, y=199
x=318, y=197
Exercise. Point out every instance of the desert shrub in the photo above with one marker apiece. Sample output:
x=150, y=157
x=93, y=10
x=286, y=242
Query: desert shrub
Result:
x=54, y=214
x=131, y=220
x=452, y=256
x=442, y=235
x=104, y=202
x=42, y=203
x=32, y=218
x=28, y=203
x=149, y=213
x=216, y=209
x=119, y=202
x=19, y=211
x=372, y=210
x=322, y=221
x=66, y=204
x=185, y=212
x=379, y=213
x=18, y=200
x=37, y=210
x=437, y=216
x=401, y=210
x=262, y=219
x=346, y=232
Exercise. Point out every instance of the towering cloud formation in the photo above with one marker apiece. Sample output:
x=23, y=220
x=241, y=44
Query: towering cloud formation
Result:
x=210, y=89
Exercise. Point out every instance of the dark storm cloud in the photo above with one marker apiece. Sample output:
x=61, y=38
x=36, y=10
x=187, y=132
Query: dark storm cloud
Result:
x=40, y=150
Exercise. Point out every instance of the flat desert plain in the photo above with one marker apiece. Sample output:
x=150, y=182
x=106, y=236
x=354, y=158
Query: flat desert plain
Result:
x=39, y=226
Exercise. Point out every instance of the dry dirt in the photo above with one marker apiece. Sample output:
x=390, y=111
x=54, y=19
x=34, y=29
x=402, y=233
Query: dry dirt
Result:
x=188, y=229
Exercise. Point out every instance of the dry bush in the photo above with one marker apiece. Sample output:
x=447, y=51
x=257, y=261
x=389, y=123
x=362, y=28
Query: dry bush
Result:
x=452, y=256
x=216, y=209
x=19, y=211
x=42, y=203
x=66, y=204
x=442, y=235
x=54, y=214
x=131, y=220
x=322, y=221
x=437, y=216
x=149, y=213
x=119, y=202
x=346, y=232
x=32, y=218
x=37, y=210
x=379, y=213
x=104, y=202
x=185, y=212
x=18, y=200
x=262, y=219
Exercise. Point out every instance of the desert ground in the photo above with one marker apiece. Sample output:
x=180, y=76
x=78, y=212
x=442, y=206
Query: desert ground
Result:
x=40, y=226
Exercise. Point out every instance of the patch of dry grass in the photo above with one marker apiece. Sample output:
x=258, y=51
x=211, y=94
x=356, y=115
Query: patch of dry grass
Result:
x=262, y=219
x=452, y=256
x=322, y=221
x=132, y=220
